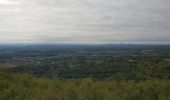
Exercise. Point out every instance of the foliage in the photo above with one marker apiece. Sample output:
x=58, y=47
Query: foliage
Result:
x=28, y=87
x=133, y=62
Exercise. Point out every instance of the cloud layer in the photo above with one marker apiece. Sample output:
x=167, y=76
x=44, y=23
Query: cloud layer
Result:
x=85, y=21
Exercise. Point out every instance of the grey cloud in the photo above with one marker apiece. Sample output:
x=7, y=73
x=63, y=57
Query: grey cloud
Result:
x=85, y=21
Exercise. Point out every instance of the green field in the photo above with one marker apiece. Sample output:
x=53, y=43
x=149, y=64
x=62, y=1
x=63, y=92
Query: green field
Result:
x=27, y=87
x=118, y=72
x=7, y=65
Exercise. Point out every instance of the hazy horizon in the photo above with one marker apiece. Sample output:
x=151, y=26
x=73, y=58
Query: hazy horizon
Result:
x=84, y=22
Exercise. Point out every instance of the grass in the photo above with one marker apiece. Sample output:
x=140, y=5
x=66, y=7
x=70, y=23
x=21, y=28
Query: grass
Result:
x=7, y=65
x=28, y=87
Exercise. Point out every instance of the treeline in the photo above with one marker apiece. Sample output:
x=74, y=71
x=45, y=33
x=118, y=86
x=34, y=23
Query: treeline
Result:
x=143, y=70
x=133, y=62
x=28, y=87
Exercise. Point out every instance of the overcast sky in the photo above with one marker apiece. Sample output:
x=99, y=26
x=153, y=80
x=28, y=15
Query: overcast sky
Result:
x=85, y=21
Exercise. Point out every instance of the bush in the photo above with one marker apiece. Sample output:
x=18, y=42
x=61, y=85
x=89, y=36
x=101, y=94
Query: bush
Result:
x=28, y=87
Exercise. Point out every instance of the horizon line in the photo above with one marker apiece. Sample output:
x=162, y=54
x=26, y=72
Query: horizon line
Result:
x=25, y=44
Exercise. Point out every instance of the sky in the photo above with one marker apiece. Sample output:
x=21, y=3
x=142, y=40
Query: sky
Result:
x=85, y=21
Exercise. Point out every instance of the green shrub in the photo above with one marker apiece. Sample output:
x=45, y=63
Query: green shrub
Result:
x=28, y=87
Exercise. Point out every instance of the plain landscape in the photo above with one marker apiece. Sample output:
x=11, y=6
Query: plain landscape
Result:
x=85, y=72
x=84, y=49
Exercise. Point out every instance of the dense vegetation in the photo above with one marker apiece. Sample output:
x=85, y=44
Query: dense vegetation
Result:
x=100, y=72
x=27, y=87
x=134, y=62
